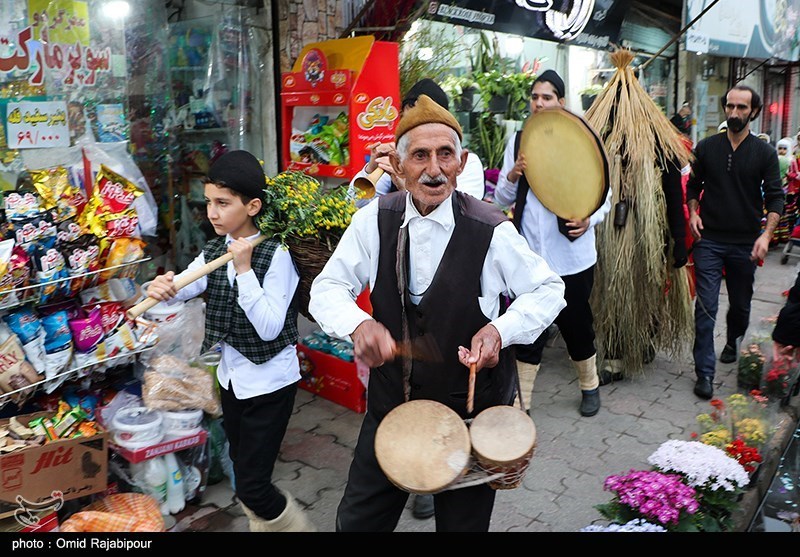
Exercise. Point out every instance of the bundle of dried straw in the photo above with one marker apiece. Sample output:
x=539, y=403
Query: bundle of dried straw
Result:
x=640, y=301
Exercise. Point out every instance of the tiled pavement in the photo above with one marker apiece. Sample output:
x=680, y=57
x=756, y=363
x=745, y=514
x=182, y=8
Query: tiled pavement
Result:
x=573, y=456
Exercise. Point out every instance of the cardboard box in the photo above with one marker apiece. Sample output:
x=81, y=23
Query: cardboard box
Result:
x=331, y=378
x=66, y=468
x=161, y=448
x=29, y=521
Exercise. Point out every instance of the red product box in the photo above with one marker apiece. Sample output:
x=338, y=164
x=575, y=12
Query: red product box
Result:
x=161, y=448
x=331, y=378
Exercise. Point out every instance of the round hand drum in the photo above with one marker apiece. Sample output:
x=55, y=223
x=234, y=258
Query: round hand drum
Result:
x=565, y=163
x=423, y=446
x=503, y=439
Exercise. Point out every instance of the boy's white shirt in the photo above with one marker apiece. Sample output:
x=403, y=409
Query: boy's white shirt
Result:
x=265, y=305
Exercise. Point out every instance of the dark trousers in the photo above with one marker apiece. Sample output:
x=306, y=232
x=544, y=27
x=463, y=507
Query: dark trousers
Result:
x=255, y=428
x=372, y=503
x=710, y=258
x=575, y=322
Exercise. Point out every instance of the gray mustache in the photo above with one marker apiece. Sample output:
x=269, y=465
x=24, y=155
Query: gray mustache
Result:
x=429, y=180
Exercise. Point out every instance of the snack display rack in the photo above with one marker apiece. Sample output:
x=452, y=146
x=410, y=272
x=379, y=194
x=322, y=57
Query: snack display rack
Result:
x=32, y=294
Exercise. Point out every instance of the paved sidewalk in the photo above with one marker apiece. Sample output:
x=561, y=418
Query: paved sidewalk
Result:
x=574, y=454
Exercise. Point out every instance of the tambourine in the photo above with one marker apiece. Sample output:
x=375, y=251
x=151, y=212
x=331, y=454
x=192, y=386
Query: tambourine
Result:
x=566, y=163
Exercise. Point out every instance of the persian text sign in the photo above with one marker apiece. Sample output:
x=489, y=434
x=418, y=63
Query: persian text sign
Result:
x=32, y=124
x=60, y=21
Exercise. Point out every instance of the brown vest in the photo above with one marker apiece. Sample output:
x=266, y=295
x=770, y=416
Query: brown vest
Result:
x=449, y=311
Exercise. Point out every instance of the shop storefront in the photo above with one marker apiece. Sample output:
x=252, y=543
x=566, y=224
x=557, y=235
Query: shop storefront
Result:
x=752, y=45
x=110, y=111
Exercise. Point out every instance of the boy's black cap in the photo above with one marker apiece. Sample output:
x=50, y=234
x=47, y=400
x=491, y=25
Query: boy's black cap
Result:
x=241, y=172
x=552, y=77
x=428, y=87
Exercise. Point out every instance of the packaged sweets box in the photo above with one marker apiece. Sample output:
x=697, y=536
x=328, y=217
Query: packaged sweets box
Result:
x=66, y=468
x=331, y=378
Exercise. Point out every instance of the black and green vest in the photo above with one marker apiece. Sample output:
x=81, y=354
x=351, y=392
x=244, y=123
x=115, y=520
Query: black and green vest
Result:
x=225, y=318
x=449, y=311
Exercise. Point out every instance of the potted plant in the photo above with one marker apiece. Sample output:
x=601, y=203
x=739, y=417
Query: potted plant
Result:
x=589, y=94
x=493, y=91
x=461, y=91
x=519, y=85
x=489, y=140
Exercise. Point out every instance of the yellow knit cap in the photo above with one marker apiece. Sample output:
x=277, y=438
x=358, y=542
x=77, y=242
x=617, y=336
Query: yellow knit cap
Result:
x=426, y=111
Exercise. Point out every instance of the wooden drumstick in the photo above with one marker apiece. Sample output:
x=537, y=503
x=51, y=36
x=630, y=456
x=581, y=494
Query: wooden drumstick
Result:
x=186, y=279
x=471, y=390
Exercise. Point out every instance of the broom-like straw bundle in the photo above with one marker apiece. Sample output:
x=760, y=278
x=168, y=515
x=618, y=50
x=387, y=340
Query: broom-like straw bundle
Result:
x=640, y=301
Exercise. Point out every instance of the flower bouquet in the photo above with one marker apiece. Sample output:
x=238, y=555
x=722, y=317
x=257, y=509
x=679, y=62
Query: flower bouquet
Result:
x=652, y=496
x=717, y=478
x=751, y=366
x=635, y=525
x=716, y=428
x=744, y=454
x=308, y=219
x=750, y=418
x=778, y=380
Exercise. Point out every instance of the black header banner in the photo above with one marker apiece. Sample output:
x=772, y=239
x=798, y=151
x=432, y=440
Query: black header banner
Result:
x=589, y=23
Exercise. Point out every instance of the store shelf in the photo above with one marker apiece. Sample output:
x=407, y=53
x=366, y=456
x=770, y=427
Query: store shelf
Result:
x=203, y=130
x=33, y=293
x=75, y=370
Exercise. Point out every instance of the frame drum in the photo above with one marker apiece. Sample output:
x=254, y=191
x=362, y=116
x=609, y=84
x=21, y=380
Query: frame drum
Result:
x=423, y=446
x=503, y=439
x=566, y=164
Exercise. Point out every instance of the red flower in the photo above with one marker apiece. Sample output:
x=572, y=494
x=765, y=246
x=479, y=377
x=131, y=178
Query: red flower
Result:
x=744, y=454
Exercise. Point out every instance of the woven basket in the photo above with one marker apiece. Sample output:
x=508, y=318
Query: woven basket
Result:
x=310, y=255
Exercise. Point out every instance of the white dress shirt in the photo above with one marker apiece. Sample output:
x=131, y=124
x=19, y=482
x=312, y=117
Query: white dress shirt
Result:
x=470, y=181
x=510, y=268
x=540, y=225
x=265, y=306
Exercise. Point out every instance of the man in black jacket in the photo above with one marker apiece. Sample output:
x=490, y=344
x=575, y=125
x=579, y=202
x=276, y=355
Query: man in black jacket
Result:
x=739, y=179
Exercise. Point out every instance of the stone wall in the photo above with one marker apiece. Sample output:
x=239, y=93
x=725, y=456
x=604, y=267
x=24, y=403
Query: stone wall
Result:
x=307, y=21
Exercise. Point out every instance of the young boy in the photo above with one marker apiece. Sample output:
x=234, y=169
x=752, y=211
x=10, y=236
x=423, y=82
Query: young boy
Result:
x=250, y=312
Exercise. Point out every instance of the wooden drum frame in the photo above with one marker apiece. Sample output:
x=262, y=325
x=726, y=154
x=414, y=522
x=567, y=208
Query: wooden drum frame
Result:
x=423, y=446
x=503, y=440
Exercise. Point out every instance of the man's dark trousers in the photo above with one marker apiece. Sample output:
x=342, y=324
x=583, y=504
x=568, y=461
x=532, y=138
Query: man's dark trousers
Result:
x=710, y=258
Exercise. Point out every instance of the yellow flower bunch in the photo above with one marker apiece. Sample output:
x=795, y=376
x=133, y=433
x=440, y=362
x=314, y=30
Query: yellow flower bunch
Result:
x=717, y=438
x=752, y=431
x=296, y=204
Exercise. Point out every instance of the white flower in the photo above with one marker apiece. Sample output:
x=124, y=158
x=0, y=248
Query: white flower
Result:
x=635, y=525
x=703, y=466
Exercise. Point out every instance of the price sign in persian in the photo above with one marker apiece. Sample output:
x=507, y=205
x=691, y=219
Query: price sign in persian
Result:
x=32, y=124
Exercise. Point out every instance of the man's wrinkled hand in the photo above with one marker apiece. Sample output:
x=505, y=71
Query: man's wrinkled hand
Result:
x=373, y=344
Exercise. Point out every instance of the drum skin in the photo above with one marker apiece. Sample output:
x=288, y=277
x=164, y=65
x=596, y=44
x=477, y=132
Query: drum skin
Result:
x=566, y=164
x=423, y=446
x=503, y=439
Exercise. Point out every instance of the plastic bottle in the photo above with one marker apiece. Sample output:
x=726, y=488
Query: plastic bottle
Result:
x=152, y=474
x=175, y=497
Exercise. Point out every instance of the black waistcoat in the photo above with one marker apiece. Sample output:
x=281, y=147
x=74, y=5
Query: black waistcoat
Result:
x=449, y=312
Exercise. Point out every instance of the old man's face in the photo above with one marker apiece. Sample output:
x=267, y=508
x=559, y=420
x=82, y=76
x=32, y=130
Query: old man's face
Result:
x=428, y=159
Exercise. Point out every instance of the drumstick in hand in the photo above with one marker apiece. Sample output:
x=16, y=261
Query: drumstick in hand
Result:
x=471, y=389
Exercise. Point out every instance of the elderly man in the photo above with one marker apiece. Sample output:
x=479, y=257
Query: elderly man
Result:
x=460, y=259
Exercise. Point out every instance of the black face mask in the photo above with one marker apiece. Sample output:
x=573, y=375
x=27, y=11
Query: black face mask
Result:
x=736, y=124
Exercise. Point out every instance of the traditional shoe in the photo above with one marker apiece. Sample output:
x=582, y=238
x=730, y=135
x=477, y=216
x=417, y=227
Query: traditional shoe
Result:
x=728, y=355
x=607, y=377
x=704, y=387
x=422, y=506
x=590, y=402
